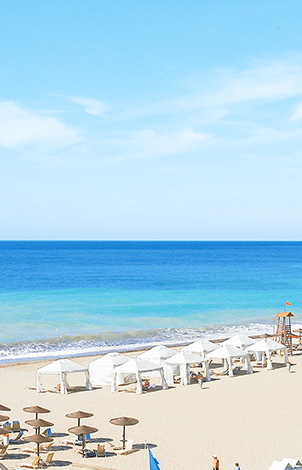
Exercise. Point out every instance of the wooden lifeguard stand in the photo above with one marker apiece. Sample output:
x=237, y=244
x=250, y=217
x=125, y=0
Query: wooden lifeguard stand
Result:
x=283, y=329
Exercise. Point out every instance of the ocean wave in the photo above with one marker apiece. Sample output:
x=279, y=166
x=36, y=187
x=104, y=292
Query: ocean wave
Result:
x=83, y=345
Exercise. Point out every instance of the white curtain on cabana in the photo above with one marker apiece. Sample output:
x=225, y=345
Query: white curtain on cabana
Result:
x=184, y=359
x=266, y=347
x=140, y=367
x=62, y=367
x=101, y=370
x=227, y=353
x=158, y=355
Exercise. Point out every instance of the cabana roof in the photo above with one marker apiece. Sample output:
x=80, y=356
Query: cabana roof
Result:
x=201, y=346
x=110, y=360
x=137, y=365
x=62, y=366
x=227, y=351
x=185, y=357
x=266, y=344
x=158, y=353
x=240, y=341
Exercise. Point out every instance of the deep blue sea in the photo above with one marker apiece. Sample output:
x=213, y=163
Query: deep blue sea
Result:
x=82, y=297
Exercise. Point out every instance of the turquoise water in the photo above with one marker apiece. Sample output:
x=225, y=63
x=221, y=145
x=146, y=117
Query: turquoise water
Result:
x=79, y=296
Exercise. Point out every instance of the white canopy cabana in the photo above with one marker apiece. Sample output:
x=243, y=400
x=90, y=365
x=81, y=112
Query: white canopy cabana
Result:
x=240, y=341
x=267, y=346
x=286, y=464
x=139, y=367
x=201, y=347
x=227, y=353
x=101, y=370
x=62, y=367
x=183, y=360
x=158, y=355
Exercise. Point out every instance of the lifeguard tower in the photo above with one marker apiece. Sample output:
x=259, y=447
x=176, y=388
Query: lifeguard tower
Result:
x=283, y=329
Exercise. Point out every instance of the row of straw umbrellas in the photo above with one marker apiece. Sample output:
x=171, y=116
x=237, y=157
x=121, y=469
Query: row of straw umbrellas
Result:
x=80, y=429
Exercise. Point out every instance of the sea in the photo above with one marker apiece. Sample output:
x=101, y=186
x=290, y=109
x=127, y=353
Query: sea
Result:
x=69, y=298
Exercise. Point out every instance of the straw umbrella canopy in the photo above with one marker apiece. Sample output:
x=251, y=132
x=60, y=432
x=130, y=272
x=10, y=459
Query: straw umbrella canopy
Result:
x=4, y=418
x=79, y=415
x=3, y=431
x=38, y=439
x=4, y=408
x=82, y=430
x=124, y=421
x=39, y=423
x=36, y=409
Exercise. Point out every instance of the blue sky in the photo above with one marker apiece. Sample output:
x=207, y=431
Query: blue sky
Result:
x=151, y=120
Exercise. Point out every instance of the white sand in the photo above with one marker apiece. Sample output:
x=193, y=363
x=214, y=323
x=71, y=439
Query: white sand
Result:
x=252, y=419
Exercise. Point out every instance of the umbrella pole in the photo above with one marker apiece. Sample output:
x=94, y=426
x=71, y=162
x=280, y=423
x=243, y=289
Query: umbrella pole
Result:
x=124, y=436
x=79, y=419
x=83, y=445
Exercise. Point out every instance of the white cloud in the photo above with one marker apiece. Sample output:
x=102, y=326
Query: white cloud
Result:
x=20, y=127
x=297, y=114
x=260, y=82
x=94, y=107
x=150, y=143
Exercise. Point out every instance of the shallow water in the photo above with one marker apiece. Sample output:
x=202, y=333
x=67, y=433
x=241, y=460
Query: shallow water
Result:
x=82, y=296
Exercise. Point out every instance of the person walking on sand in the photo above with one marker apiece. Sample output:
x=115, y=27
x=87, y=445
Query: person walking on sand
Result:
x=200, y=379
x=237, y=466
x=215, y=462
x=288, y=365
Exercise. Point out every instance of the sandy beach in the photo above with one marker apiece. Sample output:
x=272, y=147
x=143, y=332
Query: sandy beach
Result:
x=252, y=419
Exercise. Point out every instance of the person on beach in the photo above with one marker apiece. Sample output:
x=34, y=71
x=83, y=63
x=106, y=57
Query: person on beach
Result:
x=215, y=462
x=200, y=379
x=288, y=365
x=237, y=466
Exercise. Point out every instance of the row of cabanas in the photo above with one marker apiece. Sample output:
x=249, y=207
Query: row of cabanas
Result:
x=116, y=369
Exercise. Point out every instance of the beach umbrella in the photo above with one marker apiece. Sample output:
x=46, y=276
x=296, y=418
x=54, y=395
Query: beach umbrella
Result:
x=3, y=431
x=39, y=423
x=82, y=430
x=124, y=421
x=79, y=415
x=36, y=409
x=38, y=439
x=4, y=408
x=4, y=418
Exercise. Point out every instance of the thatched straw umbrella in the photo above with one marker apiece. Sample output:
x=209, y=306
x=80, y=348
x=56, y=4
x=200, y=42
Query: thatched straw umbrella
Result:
x=124, y=421
x=82, y=430
x=79, y=415
x=38, y=439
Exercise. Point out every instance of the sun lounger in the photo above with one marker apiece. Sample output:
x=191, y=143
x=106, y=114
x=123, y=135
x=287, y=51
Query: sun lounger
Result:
x=42, y=448
x=100, y=451
x=16, y=426
x=47, y=432
x=114, y=447
x=46, y=447
x=128, y=448
x=3, y=451
x=17, y=438
x=48, y=459
x=34, y=464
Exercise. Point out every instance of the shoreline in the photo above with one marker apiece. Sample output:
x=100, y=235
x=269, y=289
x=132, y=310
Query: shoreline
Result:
x=122, y=350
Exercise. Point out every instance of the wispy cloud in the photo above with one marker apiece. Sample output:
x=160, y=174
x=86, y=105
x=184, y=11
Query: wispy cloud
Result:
x=20, y=127
x=297, y=114
x=91, y=106
x=149, y=143
x=259, y=82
